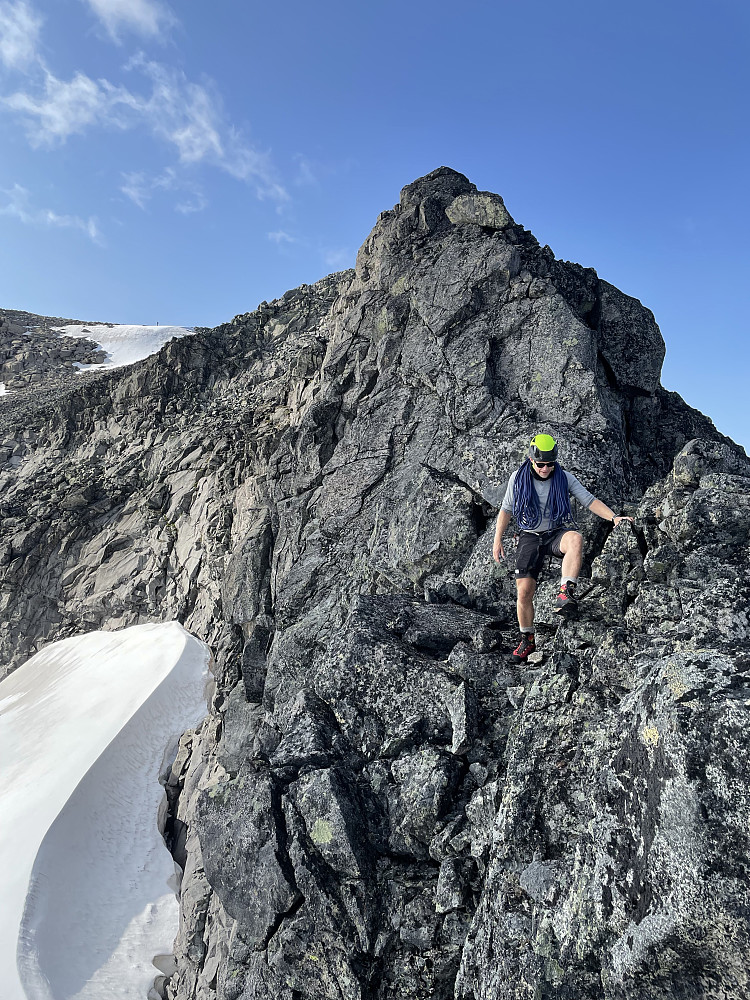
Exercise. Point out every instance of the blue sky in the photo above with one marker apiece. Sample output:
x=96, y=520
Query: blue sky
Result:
x=179, y=163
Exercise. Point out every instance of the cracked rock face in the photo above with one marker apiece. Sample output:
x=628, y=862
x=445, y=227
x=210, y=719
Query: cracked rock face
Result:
x=378, y=805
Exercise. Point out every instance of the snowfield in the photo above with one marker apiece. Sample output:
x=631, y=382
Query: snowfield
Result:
x=125, y=344
x=87, y=900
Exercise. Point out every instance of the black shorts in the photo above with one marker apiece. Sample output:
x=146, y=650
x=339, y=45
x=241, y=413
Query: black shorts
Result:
x=532, y=550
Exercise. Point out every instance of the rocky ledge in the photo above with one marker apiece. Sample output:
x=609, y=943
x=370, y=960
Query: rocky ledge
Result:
x=378, y=805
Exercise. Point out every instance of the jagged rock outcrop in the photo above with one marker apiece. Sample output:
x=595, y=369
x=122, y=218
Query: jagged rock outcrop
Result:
x=378, y=805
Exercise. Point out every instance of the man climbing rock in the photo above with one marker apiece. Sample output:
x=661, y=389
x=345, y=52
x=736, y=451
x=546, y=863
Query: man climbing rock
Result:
x=538, y=496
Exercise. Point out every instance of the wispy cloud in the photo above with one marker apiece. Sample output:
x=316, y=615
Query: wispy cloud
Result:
x=143, y=17
x=191, y=116
x=195, y=203
x=184, y=113
x=140, y=188
x=280, y=237
x=306, y=173
x=69, y=107
x=338, y=259
x=17, y=204
x=313, y=171
x=187, y=115
x=19, y=34
x=334, y=258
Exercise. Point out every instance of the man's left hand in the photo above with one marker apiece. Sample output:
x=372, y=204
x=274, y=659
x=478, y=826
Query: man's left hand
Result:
x=618, y=517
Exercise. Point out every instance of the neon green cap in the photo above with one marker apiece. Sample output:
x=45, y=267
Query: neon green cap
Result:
x=544, y=442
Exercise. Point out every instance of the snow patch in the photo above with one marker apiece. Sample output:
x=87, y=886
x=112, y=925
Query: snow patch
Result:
x=124, y=344
x=85, y=878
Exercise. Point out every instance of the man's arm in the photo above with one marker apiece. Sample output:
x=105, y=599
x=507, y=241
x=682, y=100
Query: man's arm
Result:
x=602, y=510
x=503, y=520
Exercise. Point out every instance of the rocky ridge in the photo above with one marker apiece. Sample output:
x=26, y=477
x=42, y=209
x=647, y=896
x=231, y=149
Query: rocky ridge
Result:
x=378, y=805
x=34, y=356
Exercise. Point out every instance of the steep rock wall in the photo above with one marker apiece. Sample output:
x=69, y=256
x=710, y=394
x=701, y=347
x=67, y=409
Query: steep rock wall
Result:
x=377, y=805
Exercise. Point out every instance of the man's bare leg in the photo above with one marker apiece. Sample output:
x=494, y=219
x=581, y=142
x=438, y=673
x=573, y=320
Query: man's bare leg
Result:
x=571, y=546
x=525, y=590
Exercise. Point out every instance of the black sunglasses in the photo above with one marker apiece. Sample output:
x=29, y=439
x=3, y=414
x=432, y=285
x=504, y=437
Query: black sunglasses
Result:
x=545, y=465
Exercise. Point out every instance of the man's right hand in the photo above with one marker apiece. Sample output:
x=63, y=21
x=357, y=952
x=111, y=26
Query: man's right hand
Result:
x=498, y=552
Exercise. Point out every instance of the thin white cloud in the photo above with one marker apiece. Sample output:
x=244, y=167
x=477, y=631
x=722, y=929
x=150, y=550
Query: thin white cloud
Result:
x=334, y=258
x=18, y=206
x=187, y=115
x=311, y=172
x=338, y=259
x=182, y=112
x=19, y=34
x=306, y=174
x=143, y=17
x=137, y=188
x=280, y=237
x=191, y=116
x=141, y=188
x=67, y=108
x=196, y=203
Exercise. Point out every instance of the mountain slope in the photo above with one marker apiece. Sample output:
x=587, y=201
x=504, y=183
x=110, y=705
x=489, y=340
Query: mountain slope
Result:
x=377, y=806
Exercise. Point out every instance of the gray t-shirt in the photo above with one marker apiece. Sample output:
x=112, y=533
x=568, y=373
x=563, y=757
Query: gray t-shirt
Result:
x=542, y=487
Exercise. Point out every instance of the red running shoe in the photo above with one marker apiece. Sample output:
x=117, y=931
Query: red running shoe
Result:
x=525, y=646
x=566, y=601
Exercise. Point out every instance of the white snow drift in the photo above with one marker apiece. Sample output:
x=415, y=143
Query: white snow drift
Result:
x=85, y=904
x=125, y=344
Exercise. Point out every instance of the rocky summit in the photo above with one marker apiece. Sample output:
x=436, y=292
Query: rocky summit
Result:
x=379, y=805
